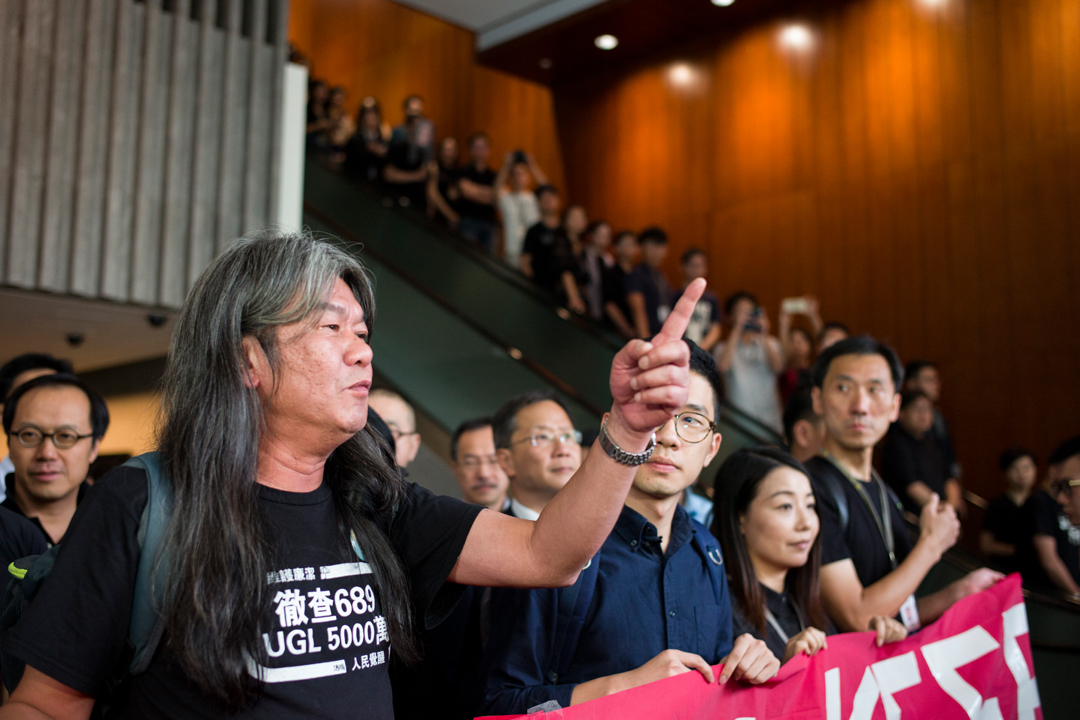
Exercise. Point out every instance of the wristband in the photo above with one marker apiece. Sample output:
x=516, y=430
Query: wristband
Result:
x=909, y=614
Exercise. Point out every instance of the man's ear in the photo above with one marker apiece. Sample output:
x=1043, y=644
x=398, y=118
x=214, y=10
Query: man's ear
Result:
x=255, y=364
x=94, y=450
x=714, y=447
x=815, y=398
x=506, y=462
x=895, y=412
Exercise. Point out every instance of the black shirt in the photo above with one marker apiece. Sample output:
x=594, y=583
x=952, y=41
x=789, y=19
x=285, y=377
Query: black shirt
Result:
x=906, y=459
x=706, y=313
x=10, y=504
x=1043, y=516
x=614, y=290
x=654, y=287
x=551, y=255
x=861, y=540
x=475, y=210
x=19, y=538
x=1004, y=519
x=790, y=617
x=325, y=635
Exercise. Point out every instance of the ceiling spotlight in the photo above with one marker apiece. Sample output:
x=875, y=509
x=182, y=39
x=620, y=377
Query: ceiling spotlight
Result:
x=681, y=74
x=606, y=42
x=545, y=64
x=796, y=37
x=723, y=3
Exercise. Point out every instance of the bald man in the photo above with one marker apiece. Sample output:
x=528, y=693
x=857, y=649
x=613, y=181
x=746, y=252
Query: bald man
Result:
x=401, y=419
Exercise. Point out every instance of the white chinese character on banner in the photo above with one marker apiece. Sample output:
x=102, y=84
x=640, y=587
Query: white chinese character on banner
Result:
x=382, y=657
x=356, y=664
x=285, y=575
x=380, y=629
x=321, y=606
x=298, y=574
x=309, y=573
x=364, y=661
x=291, y=608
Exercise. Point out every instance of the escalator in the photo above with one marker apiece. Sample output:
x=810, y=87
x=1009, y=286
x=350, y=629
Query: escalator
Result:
x=458, y=333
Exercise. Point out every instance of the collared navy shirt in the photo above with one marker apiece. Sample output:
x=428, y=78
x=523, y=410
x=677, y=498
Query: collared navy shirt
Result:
x=644, y=602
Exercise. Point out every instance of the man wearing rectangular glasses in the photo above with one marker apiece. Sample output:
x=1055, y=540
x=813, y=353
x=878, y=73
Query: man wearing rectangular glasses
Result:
x=656, y=601
x=54, y=426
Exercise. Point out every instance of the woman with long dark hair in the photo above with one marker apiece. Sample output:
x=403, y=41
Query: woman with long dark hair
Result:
x=766, y=520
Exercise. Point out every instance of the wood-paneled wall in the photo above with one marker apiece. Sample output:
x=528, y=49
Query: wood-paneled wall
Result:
x=918, y=170
x=380, y=48
x=137, y=137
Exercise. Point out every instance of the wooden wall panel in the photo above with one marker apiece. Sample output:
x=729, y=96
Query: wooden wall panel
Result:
x=380, y=48
x=918, y=171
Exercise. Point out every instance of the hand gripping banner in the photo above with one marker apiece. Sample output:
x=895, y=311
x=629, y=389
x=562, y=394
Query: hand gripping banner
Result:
x=972, y=664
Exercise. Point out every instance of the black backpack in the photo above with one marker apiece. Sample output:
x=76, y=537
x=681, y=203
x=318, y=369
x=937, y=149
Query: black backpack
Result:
x=147, y=624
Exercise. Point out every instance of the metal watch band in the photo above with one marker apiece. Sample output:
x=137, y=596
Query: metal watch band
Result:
x=619, y=455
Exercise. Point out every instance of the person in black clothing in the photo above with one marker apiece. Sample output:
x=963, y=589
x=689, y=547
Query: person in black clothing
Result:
x=54, y=425
x=365, y=153
x=19, y=538
x=869, y=565
x=705, y=327
x=1052, y=557
x=647, y=290
x=444, y=195
x=476, y=205
x=297, y=556
x=913, y=461
x=1002, y=528
x=412, y=146
x=924, y=376
x=766, y=519
x=546, y=257
x=616, y=309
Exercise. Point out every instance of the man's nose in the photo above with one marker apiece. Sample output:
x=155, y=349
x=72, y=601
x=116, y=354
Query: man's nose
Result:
x=667, y=435
x=46, y=450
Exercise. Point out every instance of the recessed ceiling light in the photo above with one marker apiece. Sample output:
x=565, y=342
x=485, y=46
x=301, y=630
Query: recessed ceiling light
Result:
x=796, y=37
x=545, y=64
x=681, y=74
x=606, y=42
x=723, y=3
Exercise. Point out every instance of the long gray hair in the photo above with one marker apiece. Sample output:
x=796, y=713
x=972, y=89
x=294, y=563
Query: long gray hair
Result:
x=220, y=547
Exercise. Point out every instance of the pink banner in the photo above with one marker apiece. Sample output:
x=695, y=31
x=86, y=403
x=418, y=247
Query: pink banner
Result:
x=975, y=662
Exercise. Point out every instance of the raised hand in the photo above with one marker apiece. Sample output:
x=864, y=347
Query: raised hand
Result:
x=650, y=380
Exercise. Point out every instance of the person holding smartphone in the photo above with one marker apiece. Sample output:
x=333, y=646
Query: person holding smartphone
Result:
x=750, y=360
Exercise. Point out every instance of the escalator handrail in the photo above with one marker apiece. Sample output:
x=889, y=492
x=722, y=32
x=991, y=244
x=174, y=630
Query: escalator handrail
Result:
x=460, y=244
x=354, y=243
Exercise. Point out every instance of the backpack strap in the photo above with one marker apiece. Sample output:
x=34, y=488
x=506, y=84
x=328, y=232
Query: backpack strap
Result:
x=147, y=622
x=835, y=488
x=574, y=603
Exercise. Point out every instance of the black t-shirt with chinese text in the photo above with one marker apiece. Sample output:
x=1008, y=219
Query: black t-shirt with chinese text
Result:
x=551, y=255
x=469, y=208
x=861, y=541
x=706, y=312
x=325, y=631
x=906, y=459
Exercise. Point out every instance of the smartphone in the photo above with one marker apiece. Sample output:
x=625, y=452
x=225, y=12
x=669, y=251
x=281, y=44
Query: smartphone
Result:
x=795, y=306
x=754, y=323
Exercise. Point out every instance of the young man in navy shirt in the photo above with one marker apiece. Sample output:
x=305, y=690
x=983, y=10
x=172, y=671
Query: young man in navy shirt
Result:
x=655, y=603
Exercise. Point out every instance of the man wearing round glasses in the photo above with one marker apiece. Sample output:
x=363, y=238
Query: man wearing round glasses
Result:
x=476, y=466
x=54, y=426
x=657, y=604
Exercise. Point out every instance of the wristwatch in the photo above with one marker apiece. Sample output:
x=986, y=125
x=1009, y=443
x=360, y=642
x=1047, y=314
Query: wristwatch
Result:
x=619, y=455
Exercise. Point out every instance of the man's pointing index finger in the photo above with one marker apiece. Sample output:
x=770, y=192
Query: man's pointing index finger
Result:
x=676, y=323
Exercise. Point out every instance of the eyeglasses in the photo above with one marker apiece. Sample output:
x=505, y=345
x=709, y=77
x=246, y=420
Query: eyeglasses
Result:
x=546, y=439
x=398, y=434
x=475, y=463
x=62, y=439
x=693, y=427
x=1065, y=486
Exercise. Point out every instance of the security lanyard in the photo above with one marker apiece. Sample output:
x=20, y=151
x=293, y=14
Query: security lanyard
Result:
x=884, y=520
x=776, y=625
